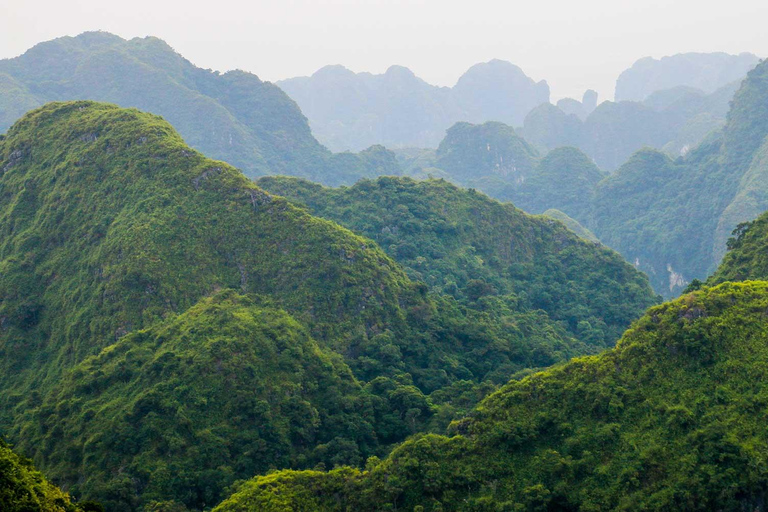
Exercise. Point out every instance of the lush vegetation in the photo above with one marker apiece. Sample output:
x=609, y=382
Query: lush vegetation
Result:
x=132, y=373
x=747, y=257
x=675, y=216
x=230, y=388
x=594, y=434
x=464, y=244
x=572, y=224
x=23, y=488
x=493, y=158
x=351, y=111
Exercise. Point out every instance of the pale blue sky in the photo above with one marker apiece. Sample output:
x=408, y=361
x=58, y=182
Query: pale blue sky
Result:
x=574, y=45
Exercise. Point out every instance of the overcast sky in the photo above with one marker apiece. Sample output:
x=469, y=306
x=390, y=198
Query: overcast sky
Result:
x=574, y=44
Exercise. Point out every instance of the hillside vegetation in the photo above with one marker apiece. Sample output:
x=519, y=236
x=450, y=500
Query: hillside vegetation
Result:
x=594, y=434
x=465, y=244
x=143, y=373
x=670, y=217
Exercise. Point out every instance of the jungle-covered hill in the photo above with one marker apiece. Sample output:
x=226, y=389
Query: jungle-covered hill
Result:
x=167, y=327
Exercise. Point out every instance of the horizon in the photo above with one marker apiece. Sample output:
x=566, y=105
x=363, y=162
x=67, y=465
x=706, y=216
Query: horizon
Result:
x=437, y=42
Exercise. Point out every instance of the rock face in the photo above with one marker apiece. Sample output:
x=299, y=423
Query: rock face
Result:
x=349, y=111
x=704, y=71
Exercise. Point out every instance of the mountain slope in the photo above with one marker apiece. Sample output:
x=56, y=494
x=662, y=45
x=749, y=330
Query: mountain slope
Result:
x=675, y=217
x=463, y=243
x=747, y=257
x=594, y=434
x=230, y=388
x=493, y=158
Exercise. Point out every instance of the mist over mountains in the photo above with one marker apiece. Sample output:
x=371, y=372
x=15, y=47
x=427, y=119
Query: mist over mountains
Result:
x=351, y=111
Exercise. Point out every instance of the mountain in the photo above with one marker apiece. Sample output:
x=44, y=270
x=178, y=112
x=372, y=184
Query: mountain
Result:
x=143, y=373
x=746, y=256
x=22, y=487
x=467, y=245
x=580, y=109
x=485, y=156
x=594, y=434
x=674, y=120
x=673, y=218
x=232, y=116
x=493, y=158
x=352, y=111
x=704, y=71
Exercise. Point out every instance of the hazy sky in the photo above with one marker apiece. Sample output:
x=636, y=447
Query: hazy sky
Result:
x=574, y=45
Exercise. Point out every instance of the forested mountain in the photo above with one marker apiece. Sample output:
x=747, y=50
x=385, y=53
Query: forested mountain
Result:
x=674, y=217
x=136, y=371
x=351, y=111
x=493, y=158
x=704, y=71
x=594, y=434
x=232, y=116
x=747, y=256
x=467, y=245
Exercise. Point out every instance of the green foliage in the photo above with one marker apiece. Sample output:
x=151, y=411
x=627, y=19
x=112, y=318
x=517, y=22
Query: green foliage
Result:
x=673, y=418
x=572, y=224
x=228, y=389
x=565, y=179
x=130, y=377
x=462, y=243
x=676, y=216
x=24, y=489
x=662, y=214
x=485, y=155
x=747, y=257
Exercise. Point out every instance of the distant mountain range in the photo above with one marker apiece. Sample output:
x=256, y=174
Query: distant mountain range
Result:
x=674, y=120
x=704, y=71
x=351, y=111
x=669, y=104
